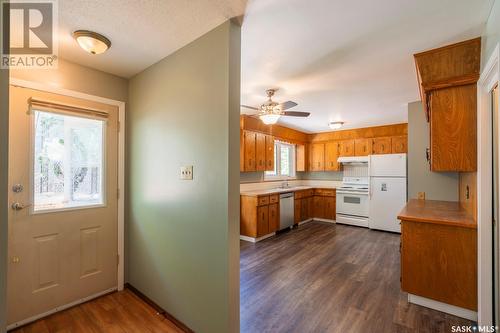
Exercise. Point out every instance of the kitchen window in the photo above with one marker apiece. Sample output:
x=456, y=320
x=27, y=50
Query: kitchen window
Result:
x=284, y=162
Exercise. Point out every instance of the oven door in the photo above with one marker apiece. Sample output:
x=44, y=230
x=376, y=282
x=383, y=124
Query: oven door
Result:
x=352, y=204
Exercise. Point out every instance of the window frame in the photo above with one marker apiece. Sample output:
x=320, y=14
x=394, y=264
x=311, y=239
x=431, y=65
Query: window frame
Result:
x=277, y=162
x=32, y=143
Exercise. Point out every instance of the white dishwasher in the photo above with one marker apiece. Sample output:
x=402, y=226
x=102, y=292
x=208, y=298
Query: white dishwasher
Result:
x=286, y=210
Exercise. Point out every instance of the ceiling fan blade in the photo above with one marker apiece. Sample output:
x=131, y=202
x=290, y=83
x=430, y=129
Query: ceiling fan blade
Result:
x=249, y=107
x=288, y=105
x=296, y=114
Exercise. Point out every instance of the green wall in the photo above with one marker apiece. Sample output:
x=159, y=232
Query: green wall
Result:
x=491, y=35
x=4, y=137
x=436, y=185
x=183, y=236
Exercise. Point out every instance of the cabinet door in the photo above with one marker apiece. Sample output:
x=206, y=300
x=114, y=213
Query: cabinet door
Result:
x=310, y=207
x=304, y=210
x=346, y=148
x=362, y=147
x=260, y=152
x=382, y=145
x=274, y=217
x=399, y=144
x=319, y=207
x=330, y=208
x=249, y=150
x=269, y=153
x=297, y=210
x=242, y=151
x=318, y=157
x=300, y=158
x=453, y=129
x=262, y=220
x=331, y=156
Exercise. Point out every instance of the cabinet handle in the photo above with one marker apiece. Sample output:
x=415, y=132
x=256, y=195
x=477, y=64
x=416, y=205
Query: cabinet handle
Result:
x=428, y=154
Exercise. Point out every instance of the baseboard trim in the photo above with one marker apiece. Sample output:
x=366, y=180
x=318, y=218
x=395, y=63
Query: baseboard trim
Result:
x=255, y=240
x=317, y=219
x=443, y=307
x=158, y=308
x=27, y=321
x=306, y=221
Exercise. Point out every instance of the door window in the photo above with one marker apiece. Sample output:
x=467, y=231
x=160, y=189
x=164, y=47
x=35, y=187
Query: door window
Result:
x=68, y=164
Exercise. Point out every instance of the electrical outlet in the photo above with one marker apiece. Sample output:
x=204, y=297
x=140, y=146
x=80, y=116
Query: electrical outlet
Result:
x=421, y=195
x=187, y=172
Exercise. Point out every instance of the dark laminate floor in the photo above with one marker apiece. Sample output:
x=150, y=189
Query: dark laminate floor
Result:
x=326, y=278
x=120, y=312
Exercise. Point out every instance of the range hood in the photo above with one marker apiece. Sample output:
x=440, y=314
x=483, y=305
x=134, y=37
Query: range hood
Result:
x=353, y=159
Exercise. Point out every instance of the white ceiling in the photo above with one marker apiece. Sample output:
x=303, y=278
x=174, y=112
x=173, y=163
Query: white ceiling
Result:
x=340, y=60
x=347, y=60
x=142, y=32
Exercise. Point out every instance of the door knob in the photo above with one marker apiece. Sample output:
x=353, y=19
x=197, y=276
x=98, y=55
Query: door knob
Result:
x=18, y=206
x=16, y=260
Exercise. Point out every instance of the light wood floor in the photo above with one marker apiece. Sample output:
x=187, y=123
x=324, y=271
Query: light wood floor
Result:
x=326, y=278
x=120, y=312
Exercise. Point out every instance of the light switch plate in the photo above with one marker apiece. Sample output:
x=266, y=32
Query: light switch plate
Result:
x=187, y=172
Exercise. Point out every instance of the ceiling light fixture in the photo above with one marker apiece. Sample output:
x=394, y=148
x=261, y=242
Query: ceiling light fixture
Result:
x=335, y=125
x=92, y=42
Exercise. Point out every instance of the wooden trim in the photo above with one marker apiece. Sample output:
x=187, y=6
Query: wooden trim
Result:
x=451, y=82
x=283, y=133
x=450, y=46
x=361, y=133
x=158, y=308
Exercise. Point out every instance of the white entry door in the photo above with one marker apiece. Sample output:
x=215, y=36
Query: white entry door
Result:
x=63, y=184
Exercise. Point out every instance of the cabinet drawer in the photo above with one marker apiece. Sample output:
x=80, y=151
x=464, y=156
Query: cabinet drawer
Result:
x=263, y=200
x=304, y=194
x=325, y=192
x=274, y=198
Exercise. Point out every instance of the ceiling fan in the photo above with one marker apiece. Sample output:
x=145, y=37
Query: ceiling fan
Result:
x=271, y=111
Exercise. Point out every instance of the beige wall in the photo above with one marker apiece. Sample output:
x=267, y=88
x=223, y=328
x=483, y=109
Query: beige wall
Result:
x=436, y=185
x=184, y=235
x=4, y=137
x=78, y=78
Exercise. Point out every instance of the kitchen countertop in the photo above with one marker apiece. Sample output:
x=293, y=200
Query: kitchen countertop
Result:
x=437, y=212
x=278, y=190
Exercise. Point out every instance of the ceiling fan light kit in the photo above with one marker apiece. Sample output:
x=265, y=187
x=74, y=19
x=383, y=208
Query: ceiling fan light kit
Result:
x=335, y=125
x=270, y=112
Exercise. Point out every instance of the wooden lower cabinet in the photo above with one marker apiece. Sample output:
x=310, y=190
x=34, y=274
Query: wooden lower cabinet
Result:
x=439, y=252
x=259, y=215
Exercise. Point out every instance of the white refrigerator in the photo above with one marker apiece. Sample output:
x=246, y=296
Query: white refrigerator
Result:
x=388, y=193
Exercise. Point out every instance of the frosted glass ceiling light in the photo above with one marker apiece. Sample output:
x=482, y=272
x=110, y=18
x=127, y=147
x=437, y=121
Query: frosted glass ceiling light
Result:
x=335, y=125
x=92, y=42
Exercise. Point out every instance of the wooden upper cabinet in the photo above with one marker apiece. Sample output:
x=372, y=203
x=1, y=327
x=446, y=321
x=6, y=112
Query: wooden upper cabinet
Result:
x=447, y=78
x=249, y=138
x=242, y=151
x=260, y=152
x=382, y=145
x=269, y=153
x=317, y=157
x=399, y=144
x=362, y=147
x=300, y=158
x=453, y=129
x=448, y=66
x=346, y=148
x=331, y=156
